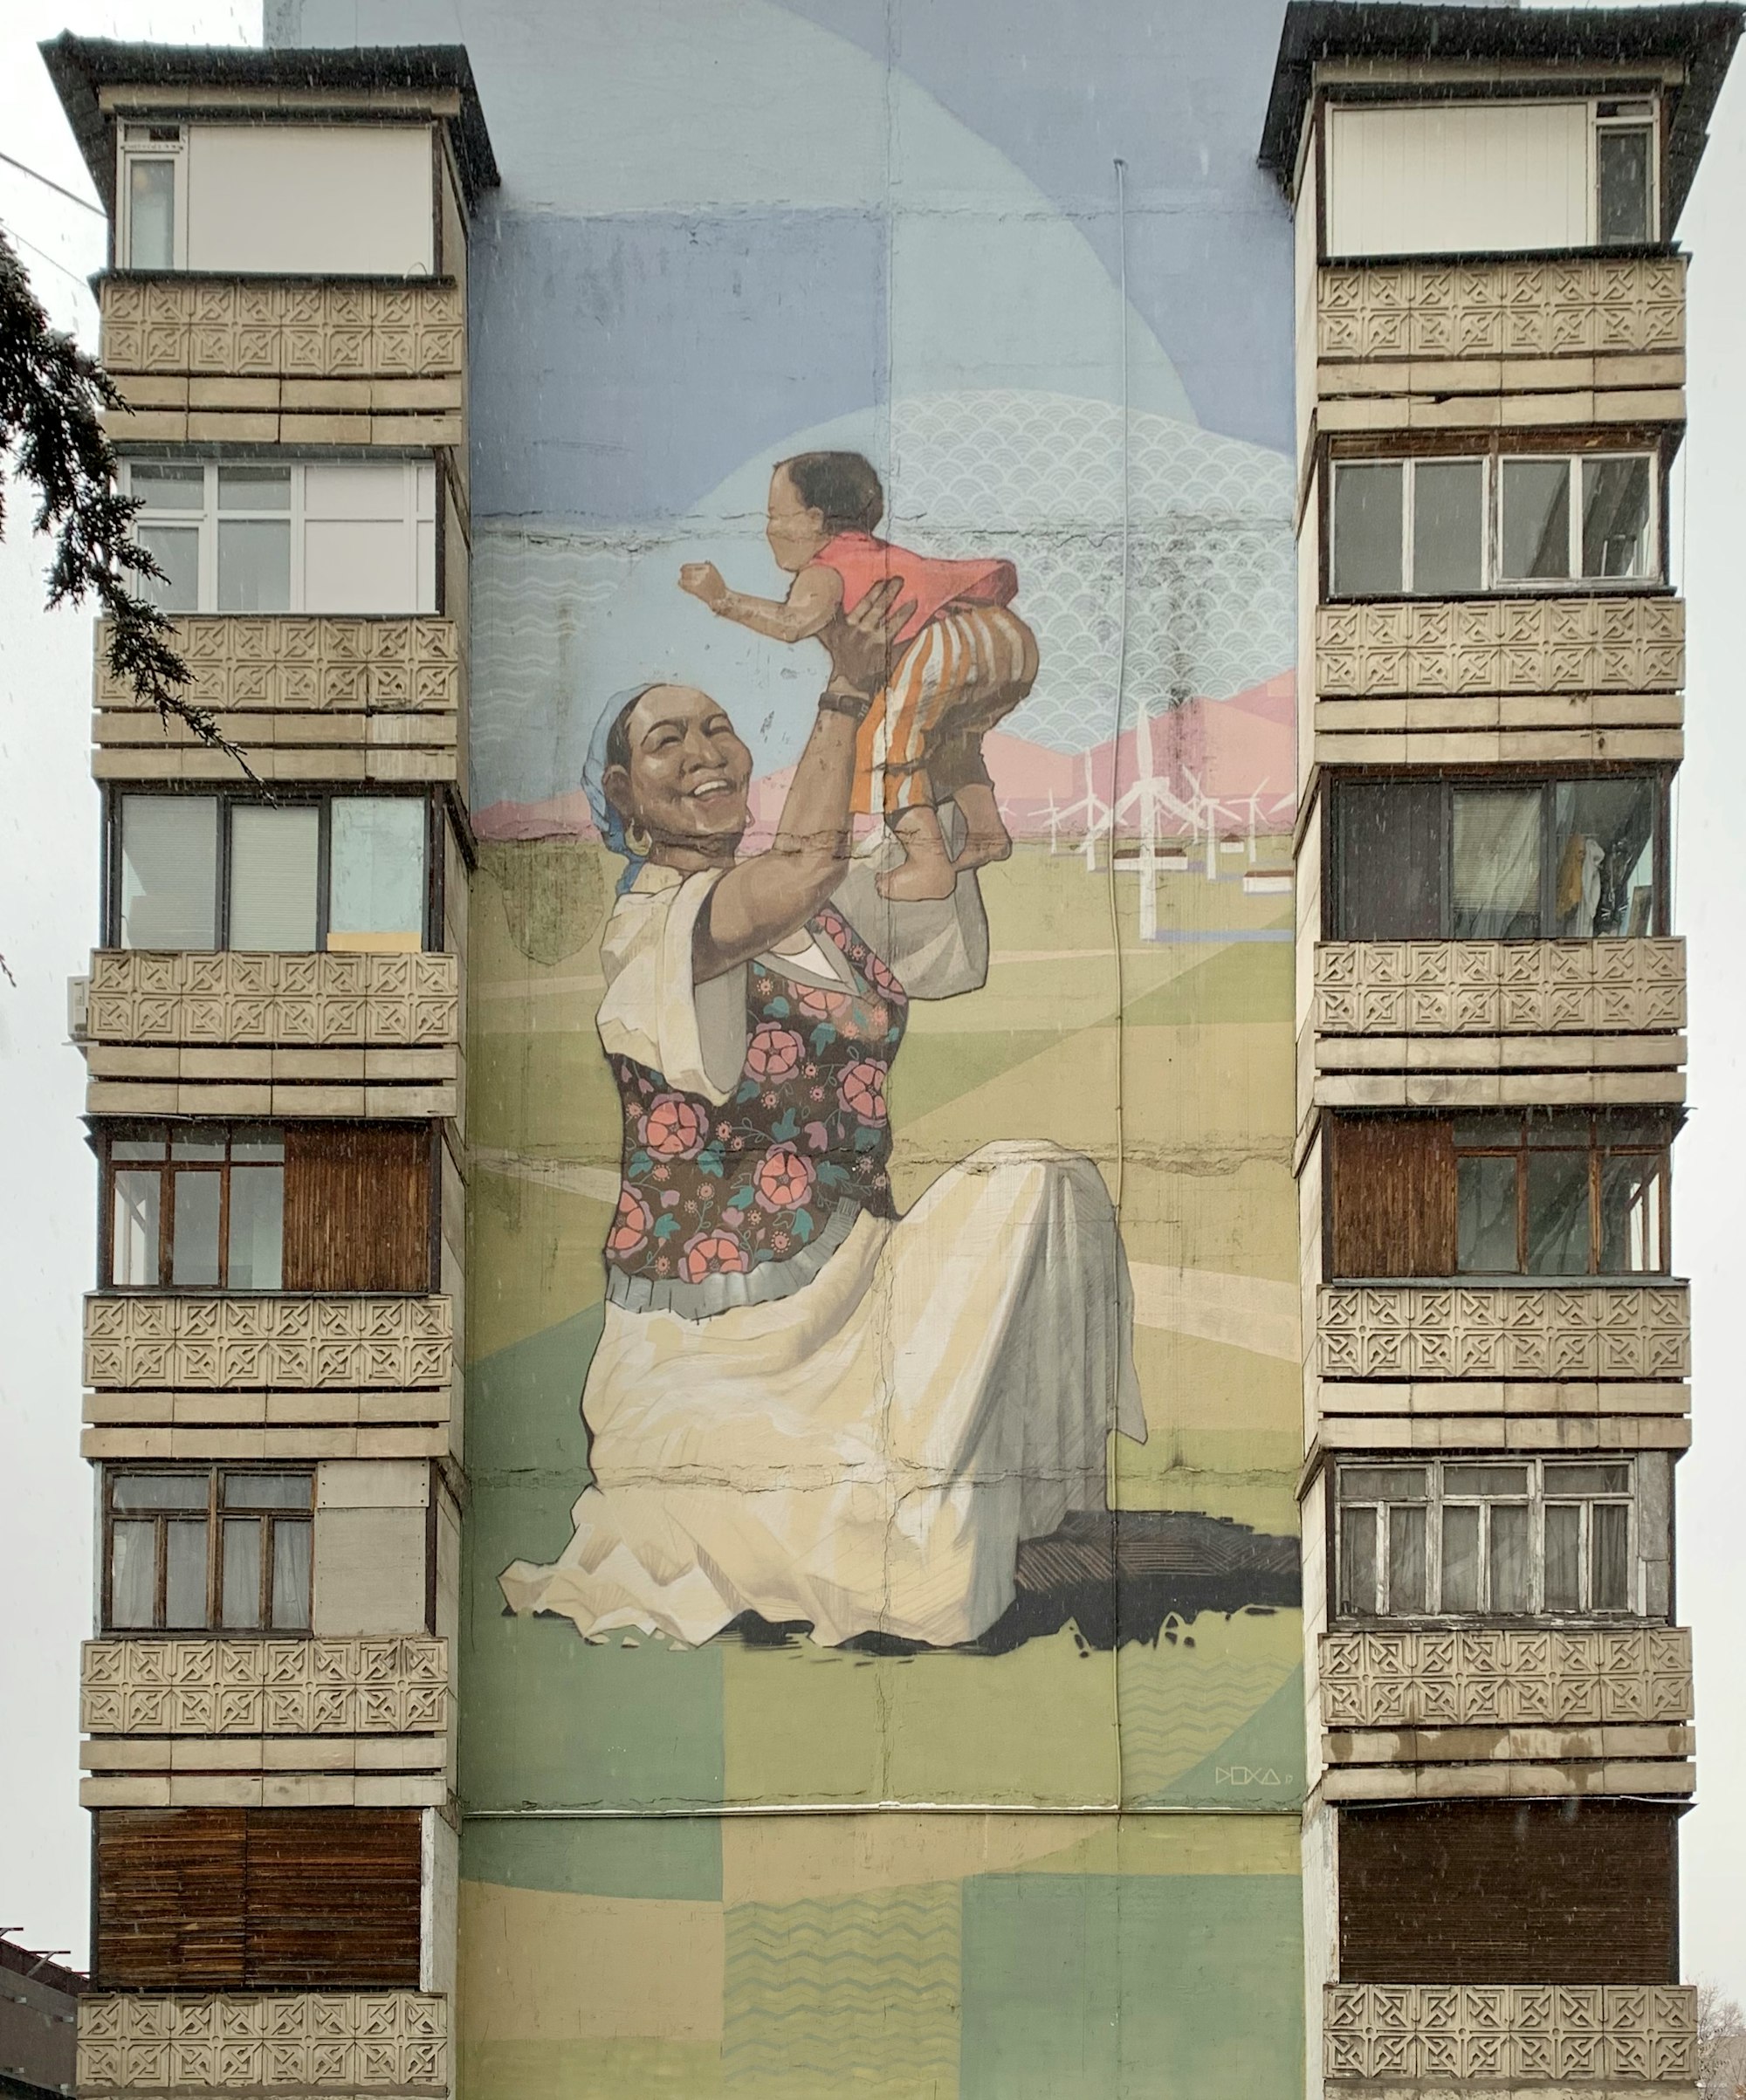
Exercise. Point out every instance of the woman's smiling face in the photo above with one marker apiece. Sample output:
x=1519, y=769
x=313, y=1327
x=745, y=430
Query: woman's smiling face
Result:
x=687, y=775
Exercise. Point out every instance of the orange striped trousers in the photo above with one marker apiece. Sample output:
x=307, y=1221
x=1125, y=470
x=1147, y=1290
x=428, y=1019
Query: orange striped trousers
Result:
x=964, y=672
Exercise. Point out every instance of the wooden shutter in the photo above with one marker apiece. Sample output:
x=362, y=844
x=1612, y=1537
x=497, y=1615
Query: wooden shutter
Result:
x=169, y=1899
x=333, y=1898
x=1510, y=1892
x=1394, y=1196
x=357, y=1207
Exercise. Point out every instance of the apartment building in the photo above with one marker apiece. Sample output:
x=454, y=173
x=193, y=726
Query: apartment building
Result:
x=1131, y=1551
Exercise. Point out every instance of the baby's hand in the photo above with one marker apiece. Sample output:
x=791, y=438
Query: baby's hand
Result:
x=703, y=580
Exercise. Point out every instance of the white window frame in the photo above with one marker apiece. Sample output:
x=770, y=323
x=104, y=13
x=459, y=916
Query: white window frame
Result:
x=1438, y=1498
x=137, y=142
x=1493, y=582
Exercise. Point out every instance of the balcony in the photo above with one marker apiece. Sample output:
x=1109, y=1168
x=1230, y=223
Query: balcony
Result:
x=286, y=361
x=1486, y=681
x=350, y=1686
x=1488, y=344
x=308, y=697
x=233, y=1033
x=1403, y=2037
x=1495, y=1023
x=290, y=2043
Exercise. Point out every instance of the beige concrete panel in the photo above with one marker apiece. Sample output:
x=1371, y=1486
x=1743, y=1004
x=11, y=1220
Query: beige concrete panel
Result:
x=369, y=1570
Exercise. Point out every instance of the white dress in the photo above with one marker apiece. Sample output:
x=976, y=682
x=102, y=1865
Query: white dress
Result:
x=866, y=1454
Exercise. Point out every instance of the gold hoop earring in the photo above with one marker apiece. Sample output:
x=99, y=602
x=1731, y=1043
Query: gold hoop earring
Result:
x=638, y=839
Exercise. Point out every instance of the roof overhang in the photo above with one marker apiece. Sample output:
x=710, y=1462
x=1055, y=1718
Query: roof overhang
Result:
x=94, y=76
x=1691, y=46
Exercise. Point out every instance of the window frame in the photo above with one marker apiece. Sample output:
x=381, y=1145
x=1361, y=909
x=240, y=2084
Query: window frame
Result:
x=163, y=141
x=168, y=1168
x=1574, y=454
x=1334, y=870
x=1522, y=1148
x=1539, y=1496
x=216, y=1474
x=430, y=934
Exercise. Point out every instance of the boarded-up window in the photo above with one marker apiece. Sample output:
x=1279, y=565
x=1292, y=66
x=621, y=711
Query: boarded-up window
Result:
x=357, y=1207
x=321, y=199
x=1510, y=1892
x=256, y=1899
x=1393, y=1188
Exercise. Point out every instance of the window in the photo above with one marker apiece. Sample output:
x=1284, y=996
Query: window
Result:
x=271, y=536
x=329, y=1206
x=1625, y=173
x=1455, y=527
x=1494, y=861
x=1561, y=1192
x=152, y=233
x=215, y=1550
x=1457, y=1537
x=340, y=873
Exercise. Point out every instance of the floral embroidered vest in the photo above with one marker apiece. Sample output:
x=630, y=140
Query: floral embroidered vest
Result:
x=744, y=1203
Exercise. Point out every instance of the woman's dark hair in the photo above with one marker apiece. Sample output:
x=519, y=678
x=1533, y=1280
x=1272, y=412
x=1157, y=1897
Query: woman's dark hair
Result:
x=840, y=486
x=618, y=737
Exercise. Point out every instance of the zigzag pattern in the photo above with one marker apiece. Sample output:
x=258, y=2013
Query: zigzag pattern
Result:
x=1172, y=1720
x=860, y=1996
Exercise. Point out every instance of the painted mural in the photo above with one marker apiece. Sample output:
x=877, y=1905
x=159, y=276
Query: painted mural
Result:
x=881, y=1658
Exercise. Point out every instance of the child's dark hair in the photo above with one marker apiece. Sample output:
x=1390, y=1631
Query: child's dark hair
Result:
x=840, y=486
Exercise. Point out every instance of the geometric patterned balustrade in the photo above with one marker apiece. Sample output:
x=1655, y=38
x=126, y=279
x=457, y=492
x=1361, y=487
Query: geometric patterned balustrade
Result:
x=235, y=328
x=1486, y=646
x=1499, y=987
x=293, y=1343
x=334, y=2043
x=319, y=1686
x=238, y=999
x=1525, y=2033
x=1476, y=1676
x=302, y=664
x=1441, y=1330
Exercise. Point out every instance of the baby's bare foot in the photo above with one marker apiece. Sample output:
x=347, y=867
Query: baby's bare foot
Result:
x=922, y=877
x=981, y=848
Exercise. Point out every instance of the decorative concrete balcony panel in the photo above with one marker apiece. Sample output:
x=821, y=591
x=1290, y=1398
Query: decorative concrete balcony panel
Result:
x=283, y=2042
x=1555, y=307
x=1489, y=645
x=245, y=1000
x=282, y=327
x=1390, y=2034
x=148, y=1340
x=1530, y=1332
x=305, y=664
x=1395, y=988
x=1467, y=1678
x=318, y=1686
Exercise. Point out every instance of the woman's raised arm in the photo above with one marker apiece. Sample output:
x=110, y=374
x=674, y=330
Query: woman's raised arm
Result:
x=764, y=899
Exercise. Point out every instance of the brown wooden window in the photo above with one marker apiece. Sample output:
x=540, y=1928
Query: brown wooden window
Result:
x=207, y=1549
x=1576, y=1891
x=1549, y=1192
x=256, y=1207
x=1510, y=860
x=203, y=1899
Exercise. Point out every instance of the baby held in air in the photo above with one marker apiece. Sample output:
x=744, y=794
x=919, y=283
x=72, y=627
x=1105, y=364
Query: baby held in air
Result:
x=965, y=660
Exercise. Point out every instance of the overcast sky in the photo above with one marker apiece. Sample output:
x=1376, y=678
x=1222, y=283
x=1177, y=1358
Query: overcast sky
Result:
x=48, y=883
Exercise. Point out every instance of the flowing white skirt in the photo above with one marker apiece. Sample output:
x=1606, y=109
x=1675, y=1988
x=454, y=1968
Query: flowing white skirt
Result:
x=867, y=1454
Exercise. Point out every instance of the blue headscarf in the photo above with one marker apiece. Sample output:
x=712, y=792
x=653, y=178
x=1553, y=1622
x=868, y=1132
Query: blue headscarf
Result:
x=607, y=821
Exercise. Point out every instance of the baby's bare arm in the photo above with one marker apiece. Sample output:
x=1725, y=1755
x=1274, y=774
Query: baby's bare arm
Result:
x=812, y=602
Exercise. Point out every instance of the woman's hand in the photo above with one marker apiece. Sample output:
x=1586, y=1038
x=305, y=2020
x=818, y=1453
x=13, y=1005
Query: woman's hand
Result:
x=865, y=643
x=703, y=580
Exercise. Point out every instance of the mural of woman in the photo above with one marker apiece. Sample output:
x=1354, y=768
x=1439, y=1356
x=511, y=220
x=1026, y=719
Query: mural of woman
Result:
x=803, y=1405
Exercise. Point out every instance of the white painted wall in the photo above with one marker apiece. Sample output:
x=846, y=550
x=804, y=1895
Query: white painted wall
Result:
x=370, y=537
x=1445, y=179
x=321, y=199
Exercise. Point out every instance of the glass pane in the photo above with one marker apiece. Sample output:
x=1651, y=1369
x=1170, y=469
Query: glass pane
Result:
x=1615, y=530
x=1604, y=847
x=273, y=855
x=267, y=1491
x=1536, y=518
x=1357, y=1560
x=1583, y=1479
x=242, y=1598
x=194, y=1241
x=1609, y=1557
x=1485, y=1215
x=1367, y=522
x=1485, y=1480
x=1563, y=1557
x=133, y=1240
x=1448, y=526
x=1495, y=864
x=1406, y=1560
x=197, y=1141
x=1389, y=839
x=259, y=1144
x=151, y=215
x=185, y=1576
x=1629, y=1216
x=136, y=1148
x=165, y=488
x=133, y=1572
x=257, y=1228
x=1461, y=1560
x=1622, y=205
x=1511, y=1566
x=254, y=565
x=376, y=893
x=159, y=1490
x=291, y=1575
x=1558, y=1234
x=1382, y=1484
x=169, y=871
x=254, y=488
x=176, y=551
